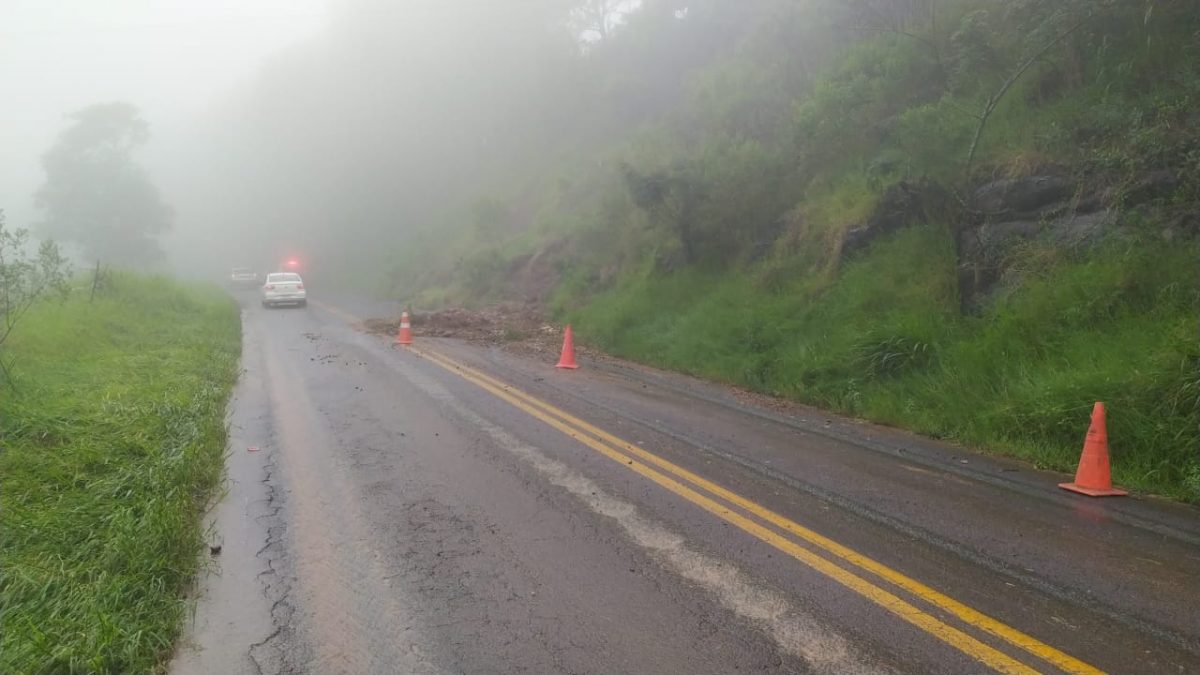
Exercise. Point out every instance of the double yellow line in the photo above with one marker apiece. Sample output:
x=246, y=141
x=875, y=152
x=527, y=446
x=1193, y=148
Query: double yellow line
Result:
x=754, y=519
x=851, y=568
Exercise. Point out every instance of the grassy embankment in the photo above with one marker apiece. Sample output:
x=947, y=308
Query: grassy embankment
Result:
x=763, y=197
x=881, y=335
x=885, y=342
x=113, y=441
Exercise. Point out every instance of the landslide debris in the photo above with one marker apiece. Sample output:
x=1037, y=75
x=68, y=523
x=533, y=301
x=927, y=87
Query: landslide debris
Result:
x=521, y=327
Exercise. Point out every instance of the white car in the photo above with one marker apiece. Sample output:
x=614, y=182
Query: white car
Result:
x=284, y=288
x=243, y=277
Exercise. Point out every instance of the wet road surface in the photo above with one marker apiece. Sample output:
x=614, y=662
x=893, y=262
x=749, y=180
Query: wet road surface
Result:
x=459, y=509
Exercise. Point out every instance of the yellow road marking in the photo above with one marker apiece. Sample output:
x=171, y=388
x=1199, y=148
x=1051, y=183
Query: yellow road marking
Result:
x=969, y=645
x=612, y=447
x=579, y=431
x=963, y=612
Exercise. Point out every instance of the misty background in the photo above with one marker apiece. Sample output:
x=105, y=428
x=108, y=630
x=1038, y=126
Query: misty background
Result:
x=325, y=130
x=175, y=60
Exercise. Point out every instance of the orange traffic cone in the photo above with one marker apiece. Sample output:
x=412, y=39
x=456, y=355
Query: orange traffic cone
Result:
x=567, y=360
x=1092, y=478
x=404, y=335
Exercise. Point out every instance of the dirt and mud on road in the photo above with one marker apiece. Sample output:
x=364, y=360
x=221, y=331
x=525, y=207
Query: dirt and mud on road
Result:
x=518, y=328
x=524, y=330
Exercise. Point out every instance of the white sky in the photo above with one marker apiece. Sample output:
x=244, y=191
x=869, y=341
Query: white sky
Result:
x=171, y=58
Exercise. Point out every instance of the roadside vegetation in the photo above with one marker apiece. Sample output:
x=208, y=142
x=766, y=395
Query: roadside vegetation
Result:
x=968, y=217
x=886, y=342
x=112, y=440
x=802, y=220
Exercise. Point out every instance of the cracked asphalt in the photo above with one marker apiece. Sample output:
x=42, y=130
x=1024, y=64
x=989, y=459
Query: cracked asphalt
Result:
x=385, y=515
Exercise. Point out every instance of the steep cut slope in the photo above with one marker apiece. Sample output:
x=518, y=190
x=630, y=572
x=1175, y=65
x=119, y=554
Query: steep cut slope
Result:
x=960, y=217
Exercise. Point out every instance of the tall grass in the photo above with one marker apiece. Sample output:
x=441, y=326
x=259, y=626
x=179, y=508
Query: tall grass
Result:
x=885, y=341
x=112, y=442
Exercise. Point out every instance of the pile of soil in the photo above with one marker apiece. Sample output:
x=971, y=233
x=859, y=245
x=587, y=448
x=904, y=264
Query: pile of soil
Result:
x=519, y=327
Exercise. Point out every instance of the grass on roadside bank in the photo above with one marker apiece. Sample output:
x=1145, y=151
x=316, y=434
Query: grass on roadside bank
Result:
x=885, y=341
x=109, y=447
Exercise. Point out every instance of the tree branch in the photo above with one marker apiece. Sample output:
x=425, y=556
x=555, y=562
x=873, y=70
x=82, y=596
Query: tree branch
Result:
x=995, y=99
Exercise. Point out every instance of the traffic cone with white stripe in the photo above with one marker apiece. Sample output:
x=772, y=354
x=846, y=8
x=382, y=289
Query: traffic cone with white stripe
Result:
x=404, y=335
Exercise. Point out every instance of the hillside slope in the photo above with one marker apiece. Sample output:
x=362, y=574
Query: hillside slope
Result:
x=967, y=218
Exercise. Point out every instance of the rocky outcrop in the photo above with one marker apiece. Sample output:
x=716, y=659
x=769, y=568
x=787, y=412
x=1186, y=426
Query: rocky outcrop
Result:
x=1003, y=215
x=1154, y=185
x=1060, y=212
x=901, y=205
x=1015, y=196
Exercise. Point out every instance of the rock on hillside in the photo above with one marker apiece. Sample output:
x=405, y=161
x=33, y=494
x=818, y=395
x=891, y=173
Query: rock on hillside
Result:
x=1003, y=215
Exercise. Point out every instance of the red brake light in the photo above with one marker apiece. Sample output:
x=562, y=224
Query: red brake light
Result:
x=270, y=287
x=300, y=286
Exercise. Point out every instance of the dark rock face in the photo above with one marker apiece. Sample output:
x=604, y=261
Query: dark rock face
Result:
x=984, y=250
x=1012, y=212
x=1082, y=229
x=1006, y=214
x=1021, y=195
x=1154, y=185
x=1187, y=224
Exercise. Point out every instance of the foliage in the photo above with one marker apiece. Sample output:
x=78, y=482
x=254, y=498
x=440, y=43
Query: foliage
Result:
x=112, y=444
x=793, y=103
x=884, y=341
x=736, y=145
x=24, y=280
x=95, y=194
x=888, y=355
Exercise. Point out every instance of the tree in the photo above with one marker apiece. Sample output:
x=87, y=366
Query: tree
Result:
x=593, y=19
x=671, y=198
x=24, y=279
x=96, y=195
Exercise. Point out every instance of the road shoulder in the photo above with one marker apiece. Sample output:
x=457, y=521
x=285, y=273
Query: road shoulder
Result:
x=232, y=617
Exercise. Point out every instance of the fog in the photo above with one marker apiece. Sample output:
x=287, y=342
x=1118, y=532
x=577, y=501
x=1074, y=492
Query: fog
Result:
x=333, y=132
x=343, y=143
x=173, y=59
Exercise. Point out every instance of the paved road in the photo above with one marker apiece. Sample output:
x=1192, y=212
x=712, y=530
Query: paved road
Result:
x=456, y=509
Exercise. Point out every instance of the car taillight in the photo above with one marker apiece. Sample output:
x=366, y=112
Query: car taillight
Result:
x=270, y=287
x=300, y=286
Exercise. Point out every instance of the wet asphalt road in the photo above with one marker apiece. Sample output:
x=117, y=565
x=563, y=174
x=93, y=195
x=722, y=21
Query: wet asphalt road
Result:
x=392, y=511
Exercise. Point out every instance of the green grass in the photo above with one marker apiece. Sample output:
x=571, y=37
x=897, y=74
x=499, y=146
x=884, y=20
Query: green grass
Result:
x=112, y=442
x=885, y=341
x=767, y=304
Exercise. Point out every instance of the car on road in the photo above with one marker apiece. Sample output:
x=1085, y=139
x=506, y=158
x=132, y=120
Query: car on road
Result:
x=284, y=288
x=243, y=277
